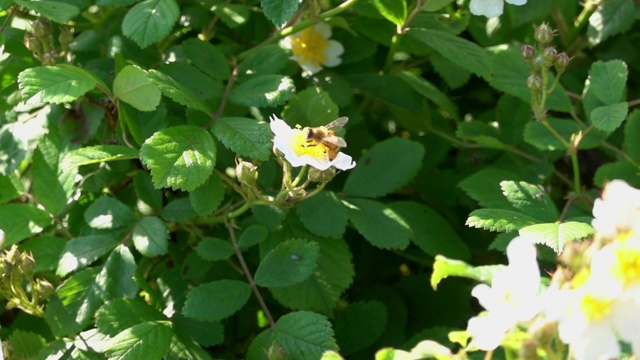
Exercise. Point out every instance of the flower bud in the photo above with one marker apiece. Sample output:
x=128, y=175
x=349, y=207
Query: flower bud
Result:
x=41, y=28
x=528, y=351
x=561, y=62
x=534, y=82
x=543, y=332
x=46, y=289
x=549, y=56
x=528, y=52
x=66, y=37
x=246, y=172
x=543, y=34
x=319, y=176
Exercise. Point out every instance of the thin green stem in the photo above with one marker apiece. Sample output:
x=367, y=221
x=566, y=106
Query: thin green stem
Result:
x=555, y=133
x=301, y=174
x=392, y=51
x=576, y=173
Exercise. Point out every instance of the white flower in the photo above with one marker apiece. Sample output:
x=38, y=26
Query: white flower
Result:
x=293, y=143
x=514, y=296
x=312, y=48
x=618, y=210
x=491, y=8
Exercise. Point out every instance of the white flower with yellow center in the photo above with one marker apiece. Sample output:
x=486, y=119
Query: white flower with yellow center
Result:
x=312, y=48
x=618, y=210
x=299, y=151
x=491, y=8
x=514, y=296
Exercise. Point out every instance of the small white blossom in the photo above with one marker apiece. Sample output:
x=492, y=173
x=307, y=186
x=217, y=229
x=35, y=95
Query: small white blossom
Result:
x=618, y=210
x=312, y=48
x=514, y=296
x=293, y=144
x=491, y=8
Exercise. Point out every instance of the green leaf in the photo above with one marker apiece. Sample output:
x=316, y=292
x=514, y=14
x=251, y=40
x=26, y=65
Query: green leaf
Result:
x=75, y=301
x=435, y=5
x=97, y=154
x=115, y=3
x=443, y=268
x=58, y=11
x=204, y=333
x=179, y=210
x=55, y=84
x=145, y=191
x=263, y=91
x=499, y=220
x=430, y=231
x=82, y=251
x=530, y=199
x=51, y=186
x=142, y=124
x=25, y=345
x=305, y=335
x=180, y=157
x=115, y=280
x=268, y=59
x=133, y=86
x=431, y=92
x=198, y=83
x=484, y=187
x=544, y=139
x=609, y=117
x=617, y=170
x=279, y=11
x=46, y=251
x=385, y=168
x=10, y=188
x=179, y=93
x=390, y=89
x=360, y=325
x=311, y=107
x=379, y=224
x=607, y=80
x=19, y=221
x=464, y=53
x=214, y=249
x=13, y=149
x=556, y=235
x=453, y=75
x=610, y=18
x=246, y=137
x=216, y=300
x=150, y=21
x=108, y=213
x=289, y=263
x=151, y=237
x=324, y=215
x=270, y=216
x=393, y=10
x=233, y=15
x=148, y=340
x=120, y=314
x=207, y=197
x=252, y=235
x=481, y=133
x=207, y=58
x=632, y=135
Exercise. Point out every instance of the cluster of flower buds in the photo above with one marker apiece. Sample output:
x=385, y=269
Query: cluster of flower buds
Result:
x=41, y=43
x=542, y=57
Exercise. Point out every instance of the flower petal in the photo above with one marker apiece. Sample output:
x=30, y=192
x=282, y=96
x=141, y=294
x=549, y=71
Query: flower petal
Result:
x=488, y=8
x=343, y=162
x=333, y=53
x=516, y=2
x=324, y=29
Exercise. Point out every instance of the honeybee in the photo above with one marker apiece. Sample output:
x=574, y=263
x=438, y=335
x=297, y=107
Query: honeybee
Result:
x=326, y=136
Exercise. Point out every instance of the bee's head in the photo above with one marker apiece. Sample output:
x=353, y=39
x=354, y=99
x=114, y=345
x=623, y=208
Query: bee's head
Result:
x=310, y=133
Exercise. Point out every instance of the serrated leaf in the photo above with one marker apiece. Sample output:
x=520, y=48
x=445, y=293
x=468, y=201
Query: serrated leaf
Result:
x=430, y=231
x=214, y=249
x=556, y=235
x=453, y=74
x=180, y=157
x=324, y=214
x=610, y=18
x=83, y=251
x=51, y=186
x=133, y=86
x=207, y=58
x=151, y=237
x=246, y=137
x=609, y=117
x=385, y=168
x=46, y=251
x=268, y=59
x=305, y=335
x=216, y=300
x=205, y=333
x=198, y=83
x=484, y=187
x=97, y=154
x=143, y=124
x=25, y=344
x=207, y=197
x=60, y=12
x=632, y=135
x=55, y=84
x=115, y=280
x=108, y=213
x=311, y=107
x=279, y=11
x=252, y=235
x=607, y=80
x=431, y=92
x=289, y=263
x=360, y=325
x=263, y=91
x=444, y=267
x=150, y=21
x=179, y=93
x=184, y=348
x=120, y=314
x=464, y=53
x=179, y=210
x=387, y=88
x=19, y=221
x=530, y=199
x=379, y=224
x=393, y=10
x=145, y=191
x=622, y=170
x=499, y=220
x=148, y=340
x=13, y=150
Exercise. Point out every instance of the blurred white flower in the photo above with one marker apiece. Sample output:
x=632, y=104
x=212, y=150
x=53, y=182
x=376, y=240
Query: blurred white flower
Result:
x=292, y=142
x=618, y=210
x=312, y=48
x=491, y=8
x=514, y=296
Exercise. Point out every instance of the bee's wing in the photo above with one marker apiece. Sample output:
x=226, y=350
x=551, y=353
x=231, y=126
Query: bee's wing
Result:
x=338, y=141
x=337, y=124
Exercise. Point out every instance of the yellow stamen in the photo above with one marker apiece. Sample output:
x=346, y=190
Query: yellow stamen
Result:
x=627, y=266
x=309, y=46
x=595, y=309
x=301, y=146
